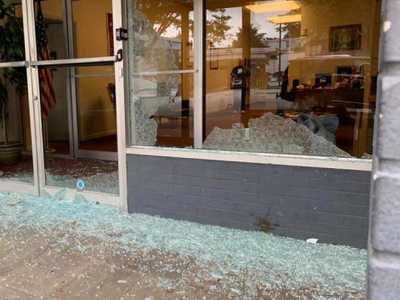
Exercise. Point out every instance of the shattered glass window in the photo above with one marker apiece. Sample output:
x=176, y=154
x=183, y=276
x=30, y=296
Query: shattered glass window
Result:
x=161, y=60
x=291, y=77
x=288, y=77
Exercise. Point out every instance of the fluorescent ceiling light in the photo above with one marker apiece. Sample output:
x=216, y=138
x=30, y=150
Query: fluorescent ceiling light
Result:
x=273, y=6
x=285, y=19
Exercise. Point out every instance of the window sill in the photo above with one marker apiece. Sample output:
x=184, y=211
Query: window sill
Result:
x=256, y=158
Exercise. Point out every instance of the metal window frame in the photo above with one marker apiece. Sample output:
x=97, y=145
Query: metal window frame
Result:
x=198, y=81
x=75, y=62
x=11, y=185
x=120, y=106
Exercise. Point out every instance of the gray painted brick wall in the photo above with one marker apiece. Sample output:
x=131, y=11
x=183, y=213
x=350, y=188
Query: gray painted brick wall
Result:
x=384, y=245
x=331, y=205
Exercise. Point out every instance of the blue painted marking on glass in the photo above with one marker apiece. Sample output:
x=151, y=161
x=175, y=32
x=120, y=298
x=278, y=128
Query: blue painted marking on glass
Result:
x=80, y=184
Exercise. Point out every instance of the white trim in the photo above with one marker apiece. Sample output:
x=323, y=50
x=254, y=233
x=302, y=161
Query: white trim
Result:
x=103, y=198
x=198, y=76
x=27, y=11
x=256, y=158
x=73, y=127
x=120, y=107
x=34, y=92
x=7, y=186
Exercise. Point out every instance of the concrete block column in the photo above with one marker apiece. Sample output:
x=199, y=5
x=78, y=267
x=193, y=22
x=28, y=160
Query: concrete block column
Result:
x=384, y=241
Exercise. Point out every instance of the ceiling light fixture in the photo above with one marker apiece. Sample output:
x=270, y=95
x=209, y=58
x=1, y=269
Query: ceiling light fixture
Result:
x=285, y=19
x=273, y=6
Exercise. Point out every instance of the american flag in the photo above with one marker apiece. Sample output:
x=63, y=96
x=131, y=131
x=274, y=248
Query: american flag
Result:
x=48, y=97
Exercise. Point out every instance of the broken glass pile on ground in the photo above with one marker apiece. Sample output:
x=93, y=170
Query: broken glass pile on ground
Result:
x=98, y=175
x=237, y=264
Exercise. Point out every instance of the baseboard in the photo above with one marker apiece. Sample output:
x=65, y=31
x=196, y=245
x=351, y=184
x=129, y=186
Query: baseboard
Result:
x=98, y=134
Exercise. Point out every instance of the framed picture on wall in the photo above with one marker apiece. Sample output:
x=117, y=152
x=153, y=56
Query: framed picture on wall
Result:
x=110, y=34
x=345, y=38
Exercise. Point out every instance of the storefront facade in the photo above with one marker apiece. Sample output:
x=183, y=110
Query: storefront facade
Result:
x=256, y=115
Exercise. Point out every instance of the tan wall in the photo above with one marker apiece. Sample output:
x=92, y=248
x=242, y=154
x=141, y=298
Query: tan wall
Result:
x=318, y=18
x=96, y=112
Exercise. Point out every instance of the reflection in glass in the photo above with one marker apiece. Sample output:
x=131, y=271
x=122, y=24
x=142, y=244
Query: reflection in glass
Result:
x=161, y=42
x=11, y=32
x=79, y=127
x=85, y=32
x=15, y=132
x=292, y=77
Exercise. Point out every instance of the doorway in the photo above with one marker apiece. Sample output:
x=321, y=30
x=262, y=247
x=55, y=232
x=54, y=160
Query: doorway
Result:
x=75, y=68
x=68, y=127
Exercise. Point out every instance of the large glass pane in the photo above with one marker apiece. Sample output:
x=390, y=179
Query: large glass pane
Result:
x=96, y=105
x=291, y=77
x=11, y=32
x=15, y=132
x=161, y=95
x=79, y=127
x=84, y=30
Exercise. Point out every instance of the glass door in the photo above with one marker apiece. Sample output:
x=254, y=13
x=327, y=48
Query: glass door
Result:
x=17, y=160
x=77, y=93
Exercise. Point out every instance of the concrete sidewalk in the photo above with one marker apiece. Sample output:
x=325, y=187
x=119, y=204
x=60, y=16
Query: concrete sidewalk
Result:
x=61, y=248
x=35, y=265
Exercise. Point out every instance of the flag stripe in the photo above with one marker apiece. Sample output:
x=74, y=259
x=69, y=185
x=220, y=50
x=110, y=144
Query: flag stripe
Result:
x=47, y=93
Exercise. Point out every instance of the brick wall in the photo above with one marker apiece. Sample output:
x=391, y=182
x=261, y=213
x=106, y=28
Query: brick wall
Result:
x=384, y=246
x=298, y=202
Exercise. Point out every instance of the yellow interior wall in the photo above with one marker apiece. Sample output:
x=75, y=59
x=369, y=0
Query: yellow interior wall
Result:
x=318, y=18
x=96, y=112
x=52, y=9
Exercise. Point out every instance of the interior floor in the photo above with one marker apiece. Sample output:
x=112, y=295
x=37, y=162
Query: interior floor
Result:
x=97, y=175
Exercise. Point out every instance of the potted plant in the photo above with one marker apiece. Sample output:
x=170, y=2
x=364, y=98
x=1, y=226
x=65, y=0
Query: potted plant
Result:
x=11, y=49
